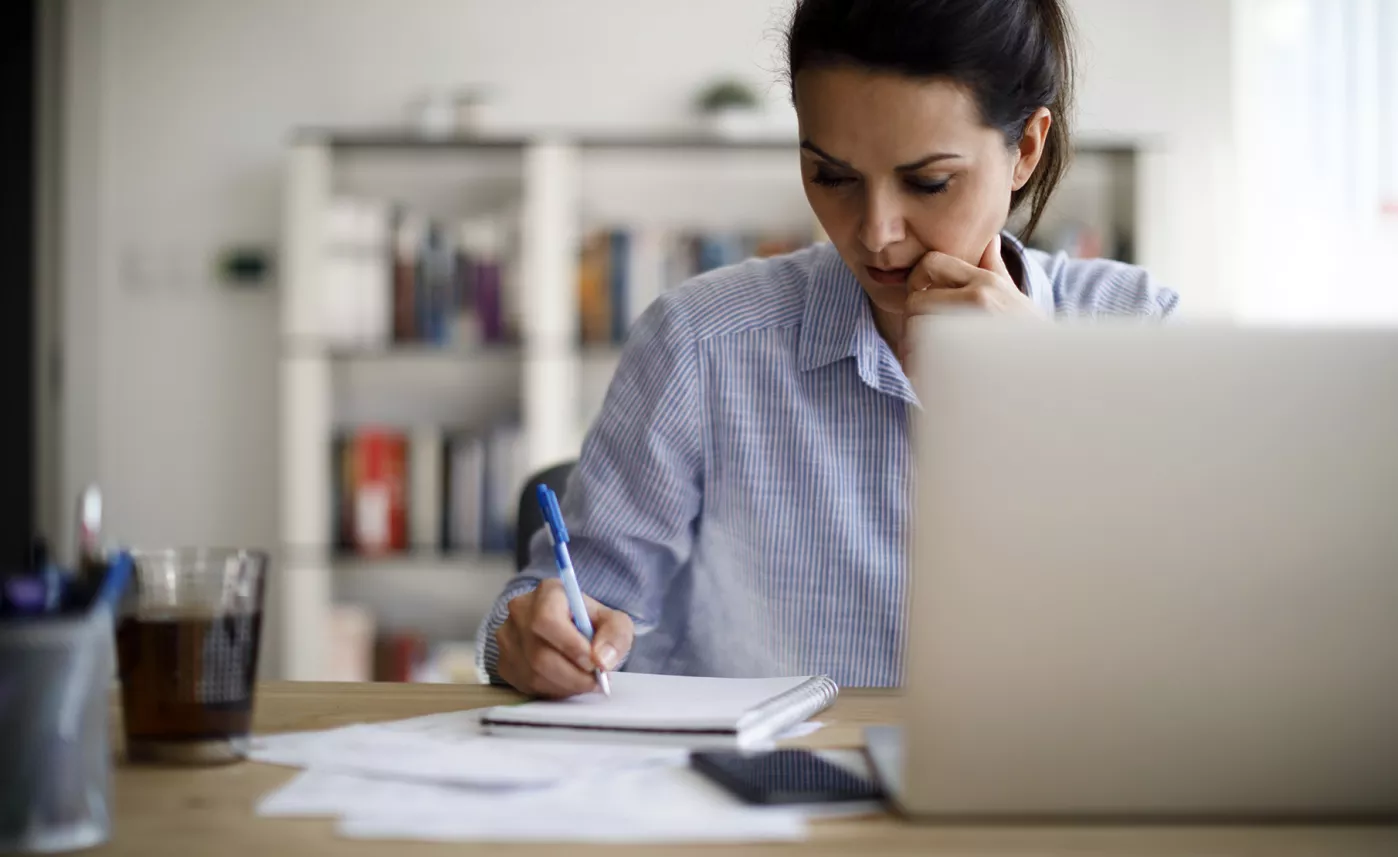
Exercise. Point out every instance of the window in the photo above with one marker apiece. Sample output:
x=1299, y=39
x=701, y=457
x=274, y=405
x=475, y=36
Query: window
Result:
x=1317, y=142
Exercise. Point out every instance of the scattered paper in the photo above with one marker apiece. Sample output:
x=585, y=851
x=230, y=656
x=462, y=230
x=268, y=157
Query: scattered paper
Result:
x=801, y=730
x=656, y=804
x=441, y=778
x=448, y=749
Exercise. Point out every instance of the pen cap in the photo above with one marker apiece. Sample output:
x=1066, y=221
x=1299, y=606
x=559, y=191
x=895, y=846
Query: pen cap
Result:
x=553, y=516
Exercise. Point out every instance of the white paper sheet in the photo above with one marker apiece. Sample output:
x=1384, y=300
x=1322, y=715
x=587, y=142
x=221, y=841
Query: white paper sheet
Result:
x=440, y=778
x=449, y=749
x=652, y=804
x=395, y=809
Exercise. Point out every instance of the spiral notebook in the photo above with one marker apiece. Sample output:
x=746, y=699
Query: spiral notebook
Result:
x=643, y=708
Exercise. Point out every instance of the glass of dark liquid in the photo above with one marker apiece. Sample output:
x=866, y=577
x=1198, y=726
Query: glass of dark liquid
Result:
x=187, y=647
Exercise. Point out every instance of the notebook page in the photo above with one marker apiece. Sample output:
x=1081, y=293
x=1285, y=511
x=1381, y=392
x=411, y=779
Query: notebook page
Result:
x=641, y=701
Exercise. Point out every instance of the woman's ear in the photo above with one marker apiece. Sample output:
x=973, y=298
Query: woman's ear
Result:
x=1031, y=146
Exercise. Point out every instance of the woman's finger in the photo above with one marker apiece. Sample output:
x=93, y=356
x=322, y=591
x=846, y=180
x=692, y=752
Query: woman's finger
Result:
x=993, y=259
x=552, y=621
x=932, y=301
x=940, y=271
x=614, y=634
x=555, y=673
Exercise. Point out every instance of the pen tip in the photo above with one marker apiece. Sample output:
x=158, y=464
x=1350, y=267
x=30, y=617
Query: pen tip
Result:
x=602, y=682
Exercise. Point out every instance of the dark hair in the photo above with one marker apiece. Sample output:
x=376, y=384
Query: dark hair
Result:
x=1014, y=56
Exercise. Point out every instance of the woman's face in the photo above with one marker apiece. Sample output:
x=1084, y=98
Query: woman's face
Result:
x=896, y=167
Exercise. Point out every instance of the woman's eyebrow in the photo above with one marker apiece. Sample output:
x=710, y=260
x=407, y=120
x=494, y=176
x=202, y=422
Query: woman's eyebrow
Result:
x=902, y=168
x=812, y=147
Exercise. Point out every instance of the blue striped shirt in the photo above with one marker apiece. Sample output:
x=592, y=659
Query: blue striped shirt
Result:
x=744, y=493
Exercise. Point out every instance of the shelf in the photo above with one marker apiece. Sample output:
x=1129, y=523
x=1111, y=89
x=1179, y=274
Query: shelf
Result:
x=441, y=596
x=310, y=346
x=431, y=562
x=417, y=386
x=390, y=139
x=401, y=139
x=418, y=352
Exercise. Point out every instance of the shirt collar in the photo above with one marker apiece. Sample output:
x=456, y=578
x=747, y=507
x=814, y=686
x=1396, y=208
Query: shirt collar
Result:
x=838, y=323
x=1036, y=280
x=834, y=313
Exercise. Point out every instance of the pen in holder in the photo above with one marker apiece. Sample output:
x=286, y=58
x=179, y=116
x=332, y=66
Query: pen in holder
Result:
x=56, y=670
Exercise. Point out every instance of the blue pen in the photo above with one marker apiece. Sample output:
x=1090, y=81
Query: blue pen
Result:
x=558, y=537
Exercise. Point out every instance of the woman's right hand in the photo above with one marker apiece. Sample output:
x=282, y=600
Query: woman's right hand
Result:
x=542, y=653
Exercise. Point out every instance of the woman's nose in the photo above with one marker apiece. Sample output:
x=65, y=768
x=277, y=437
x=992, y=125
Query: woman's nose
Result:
x=883, y=224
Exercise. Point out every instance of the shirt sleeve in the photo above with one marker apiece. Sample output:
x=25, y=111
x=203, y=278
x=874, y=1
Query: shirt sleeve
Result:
x=1101, y=287
x=632, y=503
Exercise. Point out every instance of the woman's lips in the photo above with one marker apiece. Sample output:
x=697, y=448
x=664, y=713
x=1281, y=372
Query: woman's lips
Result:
x=888, y=276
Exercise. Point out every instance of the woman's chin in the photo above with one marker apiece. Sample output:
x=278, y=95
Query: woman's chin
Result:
x=889, y=299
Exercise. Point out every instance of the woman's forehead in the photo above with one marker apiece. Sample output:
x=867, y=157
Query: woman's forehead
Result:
x=851, y=113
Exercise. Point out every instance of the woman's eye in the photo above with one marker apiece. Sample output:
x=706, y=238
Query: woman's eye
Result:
x=825, y=179
x=926, y=188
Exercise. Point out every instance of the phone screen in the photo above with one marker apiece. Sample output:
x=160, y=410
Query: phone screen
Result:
x=784, y=777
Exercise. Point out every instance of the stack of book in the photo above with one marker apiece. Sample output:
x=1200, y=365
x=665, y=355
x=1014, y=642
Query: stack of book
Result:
x=426, y=490
x=621, y=270
x=398, y=277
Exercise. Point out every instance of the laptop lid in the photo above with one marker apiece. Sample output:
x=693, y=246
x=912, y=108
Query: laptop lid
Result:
x=1155, y=572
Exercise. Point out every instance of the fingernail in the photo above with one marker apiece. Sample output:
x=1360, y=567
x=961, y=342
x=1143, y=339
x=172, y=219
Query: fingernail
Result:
x=608, y=655
x=585, y=663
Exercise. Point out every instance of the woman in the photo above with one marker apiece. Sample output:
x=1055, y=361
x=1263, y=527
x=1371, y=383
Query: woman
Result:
x=740, y=507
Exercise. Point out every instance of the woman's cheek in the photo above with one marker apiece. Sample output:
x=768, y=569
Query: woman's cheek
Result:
x=956, y=223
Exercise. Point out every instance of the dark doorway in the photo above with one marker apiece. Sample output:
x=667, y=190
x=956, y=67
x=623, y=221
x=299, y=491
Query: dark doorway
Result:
x=18, y=121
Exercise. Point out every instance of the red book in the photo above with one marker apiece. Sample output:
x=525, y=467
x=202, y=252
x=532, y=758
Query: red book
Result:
x=378, y=489
x=397, y=656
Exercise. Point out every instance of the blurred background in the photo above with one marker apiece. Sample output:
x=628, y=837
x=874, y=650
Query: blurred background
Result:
x=334, y=277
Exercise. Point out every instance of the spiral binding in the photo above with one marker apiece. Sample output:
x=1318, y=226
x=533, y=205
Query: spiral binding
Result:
x=805, y=700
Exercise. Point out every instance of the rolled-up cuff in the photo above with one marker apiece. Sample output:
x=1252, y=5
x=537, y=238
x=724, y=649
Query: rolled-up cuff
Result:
x=487, y=650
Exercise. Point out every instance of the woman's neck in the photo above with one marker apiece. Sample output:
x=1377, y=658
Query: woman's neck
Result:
x=892, y=327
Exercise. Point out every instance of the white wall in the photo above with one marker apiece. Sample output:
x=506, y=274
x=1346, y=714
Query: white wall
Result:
x=178, y=110
x=183, y=111
x=1162, y=71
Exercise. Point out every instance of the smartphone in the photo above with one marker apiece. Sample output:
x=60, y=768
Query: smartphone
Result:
x=784, y=777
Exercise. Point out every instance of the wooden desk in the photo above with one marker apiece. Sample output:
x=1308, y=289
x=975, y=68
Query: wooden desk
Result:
x=207, y=812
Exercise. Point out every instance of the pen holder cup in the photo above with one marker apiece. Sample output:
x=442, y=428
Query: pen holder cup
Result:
x=55, y=781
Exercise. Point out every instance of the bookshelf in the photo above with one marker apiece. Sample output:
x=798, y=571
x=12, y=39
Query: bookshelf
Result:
x=552, y=193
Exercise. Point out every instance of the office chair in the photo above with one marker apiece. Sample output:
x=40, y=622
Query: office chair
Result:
x=531, y=518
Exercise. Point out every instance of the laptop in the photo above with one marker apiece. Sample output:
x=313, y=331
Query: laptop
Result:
x=1155, y=575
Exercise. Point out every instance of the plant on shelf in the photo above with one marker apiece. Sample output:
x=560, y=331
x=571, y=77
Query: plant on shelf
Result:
x=730, y=107
x=724, y=95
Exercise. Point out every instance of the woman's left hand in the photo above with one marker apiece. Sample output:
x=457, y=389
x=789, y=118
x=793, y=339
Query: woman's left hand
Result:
x=941, y=283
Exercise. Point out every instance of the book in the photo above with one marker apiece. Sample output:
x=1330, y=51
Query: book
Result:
x=436, y=276
x=376, y=486
x=594, y=290
x=621, y=270
x=696, y=711
x=465, y=456
x=407, y=238
x=356, y=263
x=426, y=489
x=398, y=655
x=350, y=643
x=503, y=480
